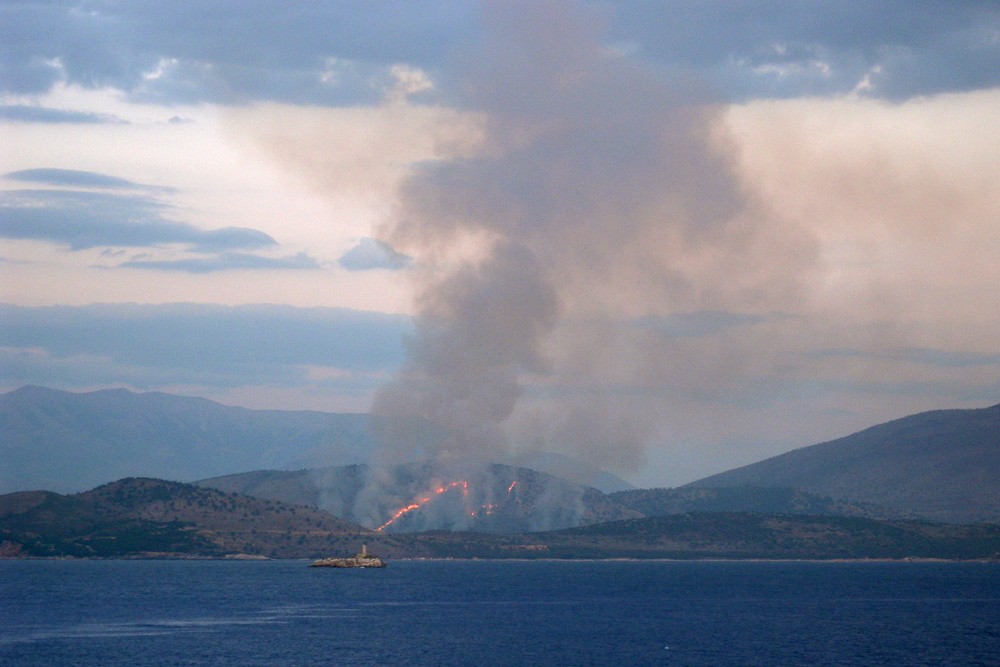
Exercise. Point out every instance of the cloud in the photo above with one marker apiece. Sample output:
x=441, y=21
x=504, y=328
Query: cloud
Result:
x=796, y=48
x=214, y=51
x=34, y=114
x=153, y=346
x=80, y=220
x=371, y=254
x=76, y=178
x=342, y=54
x=228, y=261
x=83, y=219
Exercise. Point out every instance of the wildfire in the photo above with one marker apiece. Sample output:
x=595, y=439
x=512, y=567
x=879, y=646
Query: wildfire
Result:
x=423, y=501
x=488, y=509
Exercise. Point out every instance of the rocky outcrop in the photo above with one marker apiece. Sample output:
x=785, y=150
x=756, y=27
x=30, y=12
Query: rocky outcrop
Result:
x=363, y=559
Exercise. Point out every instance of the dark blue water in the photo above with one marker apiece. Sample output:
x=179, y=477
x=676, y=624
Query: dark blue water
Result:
x=499, y=613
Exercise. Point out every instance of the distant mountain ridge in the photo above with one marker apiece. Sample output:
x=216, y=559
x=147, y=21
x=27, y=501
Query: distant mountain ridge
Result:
x=70, y=441
x=66, y=441
x=942, y=465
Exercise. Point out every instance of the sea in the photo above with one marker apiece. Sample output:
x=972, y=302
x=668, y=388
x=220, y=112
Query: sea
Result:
x=441, y=613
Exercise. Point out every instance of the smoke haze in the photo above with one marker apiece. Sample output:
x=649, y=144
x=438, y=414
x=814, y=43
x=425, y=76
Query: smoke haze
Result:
x=598, y=192
x=612, y=264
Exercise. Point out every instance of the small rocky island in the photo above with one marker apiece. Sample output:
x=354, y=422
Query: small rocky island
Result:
x=363, y=559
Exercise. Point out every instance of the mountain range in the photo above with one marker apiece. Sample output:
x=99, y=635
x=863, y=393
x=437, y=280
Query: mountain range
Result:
x=66, y=441
x=942, y=465
x=62, y=441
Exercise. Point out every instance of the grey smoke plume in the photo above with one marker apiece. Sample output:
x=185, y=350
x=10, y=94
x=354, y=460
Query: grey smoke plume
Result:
x=479, y=328
x=594, y=180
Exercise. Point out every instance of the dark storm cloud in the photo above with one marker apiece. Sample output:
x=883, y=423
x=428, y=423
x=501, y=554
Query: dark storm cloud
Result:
x=31, y=114
x=157, y=345
x=227, y=261
x=335, y=52
x=79, y=220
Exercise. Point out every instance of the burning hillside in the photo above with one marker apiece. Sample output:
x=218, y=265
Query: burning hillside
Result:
x=420, y=497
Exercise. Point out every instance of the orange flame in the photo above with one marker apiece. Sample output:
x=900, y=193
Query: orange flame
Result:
x=423, y=501
x=417, y=504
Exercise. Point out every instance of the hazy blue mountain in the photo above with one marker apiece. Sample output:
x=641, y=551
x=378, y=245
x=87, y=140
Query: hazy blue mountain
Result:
x=65, y=442
x=942, y=465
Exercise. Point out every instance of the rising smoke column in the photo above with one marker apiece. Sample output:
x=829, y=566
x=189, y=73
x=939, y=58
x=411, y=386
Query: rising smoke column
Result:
x=591, y=172
x=478, y=328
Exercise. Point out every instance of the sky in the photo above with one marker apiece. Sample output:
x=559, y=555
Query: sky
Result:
x=666, y=238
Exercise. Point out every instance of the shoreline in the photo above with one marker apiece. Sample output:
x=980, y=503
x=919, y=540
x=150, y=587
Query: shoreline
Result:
x=259, y=559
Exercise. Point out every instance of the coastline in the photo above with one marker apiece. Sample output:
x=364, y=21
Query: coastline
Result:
x=444, y=559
